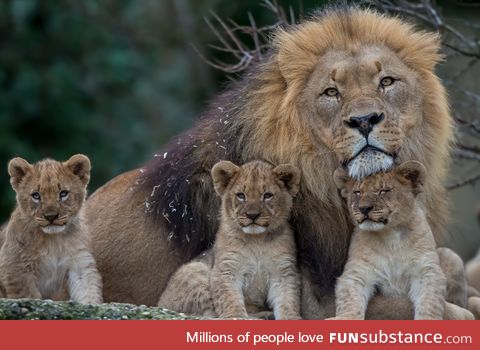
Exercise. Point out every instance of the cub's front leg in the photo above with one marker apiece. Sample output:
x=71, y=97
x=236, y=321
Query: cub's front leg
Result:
x=84, y=281
x=17, y=274
x=21, y=285
x=352, y=293
x=284, y=294
x=427, y=293
x=227, y=293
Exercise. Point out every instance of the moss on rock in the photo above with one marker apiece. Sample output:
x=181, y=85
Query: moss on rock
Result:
x=29, y=309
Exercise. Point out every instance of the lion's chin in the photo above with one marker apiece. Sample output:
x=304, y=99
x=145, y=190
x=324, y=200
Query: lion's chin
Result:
x=368, y=162
x=254, y=229
x=369, y=225
x=53, y=229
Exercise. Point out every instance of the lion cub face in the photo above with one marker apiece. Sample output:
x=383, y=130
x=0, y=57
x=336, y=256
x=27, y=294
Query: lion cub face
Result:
x=50, y=192
x=382, y=200
x=257, y=196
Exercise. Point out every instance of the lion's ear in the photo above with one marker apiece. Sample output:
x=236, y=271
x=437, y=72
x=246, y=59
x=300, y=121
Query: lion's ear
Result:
x=222, y=174
x=342, y=181
x=289, y=175
x=80, y=166
x=414, y=173
x=17, y=169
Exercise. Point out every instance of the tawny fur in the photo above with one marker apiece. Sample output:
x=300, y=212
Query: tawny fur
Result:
x=46, y=258
x=149, y=222
x=473, y=277
x=393, y=250
x=473, y=271
x=252, y=266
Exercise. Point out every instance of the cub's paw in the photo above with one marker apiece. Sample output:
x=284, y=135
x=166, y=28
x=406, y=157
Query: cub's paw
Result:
x=474, y=306
x=262, y=315
x=455, y=312
x=344, y=317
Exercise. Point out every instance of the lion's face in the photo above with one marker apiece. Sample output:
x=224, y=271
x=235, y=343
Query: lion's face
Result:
x=256, y=197
x=363, y=104
x=382, y=200
x=50, y=192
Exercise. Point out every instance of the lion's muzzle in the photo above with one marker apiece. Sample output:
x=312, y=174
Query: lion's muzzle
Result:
x=364, y=124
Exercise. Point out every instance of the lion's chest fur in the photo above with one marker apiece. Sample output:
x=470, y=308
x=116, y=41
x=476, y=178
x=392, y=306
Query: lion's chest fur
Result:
x=54, y=262
x=397, y=260
x=256, y=262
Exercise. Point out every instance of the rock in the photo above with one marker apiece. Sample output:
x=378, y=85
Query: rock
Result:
x=29, y=309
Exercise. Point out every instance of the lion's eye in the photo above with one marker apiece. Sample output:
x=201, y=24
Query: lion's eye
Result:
x=383, y=191
x=36, y=197
x=387, y=81
x=63, y=194
x=331, y=92
x=356, y=193
x=267, y=196
x=241, y=196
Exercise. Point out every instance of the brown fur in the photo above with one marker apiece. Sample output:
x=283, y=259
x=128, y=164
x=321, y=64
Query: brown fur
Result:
x=46, y=253
x=254, y=256
x=393, y=249
x=149, y=223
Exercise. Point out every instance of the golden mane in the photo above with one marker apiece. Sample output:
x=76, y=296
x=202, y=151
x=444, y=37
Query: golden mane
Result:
x=277, y=131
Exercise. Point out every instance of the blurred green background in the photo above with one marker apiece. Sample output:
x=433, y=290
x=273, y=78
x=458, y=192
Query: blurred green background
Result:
x=116, y=79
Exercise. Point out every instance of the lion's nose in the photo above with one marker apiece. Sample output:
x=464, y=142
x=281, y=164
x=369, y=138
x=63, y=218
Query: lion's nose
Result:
x=252, y=215
x=365, y=123
x=365, y=210
x=51, y=217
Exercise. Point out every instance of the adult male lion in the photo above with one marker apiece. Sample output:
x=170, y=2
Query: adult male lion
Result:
x=349, y=86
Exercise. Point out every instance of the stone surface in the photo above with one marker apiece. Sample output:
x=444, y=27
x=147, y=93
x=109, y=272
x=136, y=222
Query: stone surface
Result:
x=28, y=309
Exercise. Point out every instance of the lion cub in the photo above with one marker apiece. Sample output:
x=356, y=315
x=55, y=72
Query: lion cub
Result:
x=392, y=249
x=252, y=265
x=46, y=247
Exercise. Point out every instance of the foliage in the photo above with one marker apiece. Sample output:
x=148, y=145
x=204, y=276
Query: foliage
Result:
x=116, y=79
x=110, y=79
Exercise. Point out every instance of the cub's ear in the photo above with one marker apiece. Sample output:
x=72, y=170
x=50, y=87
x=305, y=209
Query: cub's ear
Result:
x=414, y=173
x=342, y=180
x=17, y=169
x=289, y=175
x=222, y=174
x=80, y=166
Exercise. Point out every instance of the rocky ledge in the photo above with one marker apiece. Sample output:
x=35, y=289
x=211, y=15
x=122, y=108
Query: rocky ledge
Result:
x=29, y=309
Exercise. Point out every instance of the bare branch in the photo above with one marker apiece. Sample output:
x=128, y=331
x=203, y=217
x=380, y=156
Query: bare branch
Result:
x=249, y=43
x=467, y=181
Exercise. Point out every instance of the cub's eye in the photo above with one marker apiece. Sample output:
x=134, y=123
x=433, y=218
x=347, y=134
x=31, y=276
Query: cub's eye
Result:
x=267, y=196
x=63, y=194
x=331, y=92
x=36, y=196
x=241, y=196
x=387, y=81
x=356, y=193
x=384, y=191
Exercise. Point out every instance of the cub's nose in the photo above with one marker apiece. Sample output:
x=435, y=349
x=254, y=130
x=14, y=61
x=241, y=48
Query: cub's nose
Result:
x=252, y=215
x=51, y=217
x=365, y=123
x=365, y=210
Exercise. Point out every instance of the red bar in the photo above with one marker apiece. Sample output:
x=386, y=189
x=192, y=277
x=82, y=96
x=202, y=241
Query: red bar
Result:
x=278, y=335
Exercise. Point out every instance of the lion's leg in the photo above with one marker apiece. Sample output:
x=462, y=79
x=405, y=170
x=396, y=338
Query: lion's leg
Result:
x=385, y=308
x=188, y=291
x=474, y=306
x=84, y=281
x=21, y=285
x=473, y=273
x=313, y=305
x=453, y=268
x=455, y=312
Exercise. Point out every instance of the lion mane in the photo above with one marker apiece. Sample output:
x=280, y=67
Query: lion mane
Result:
x=258, y=118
